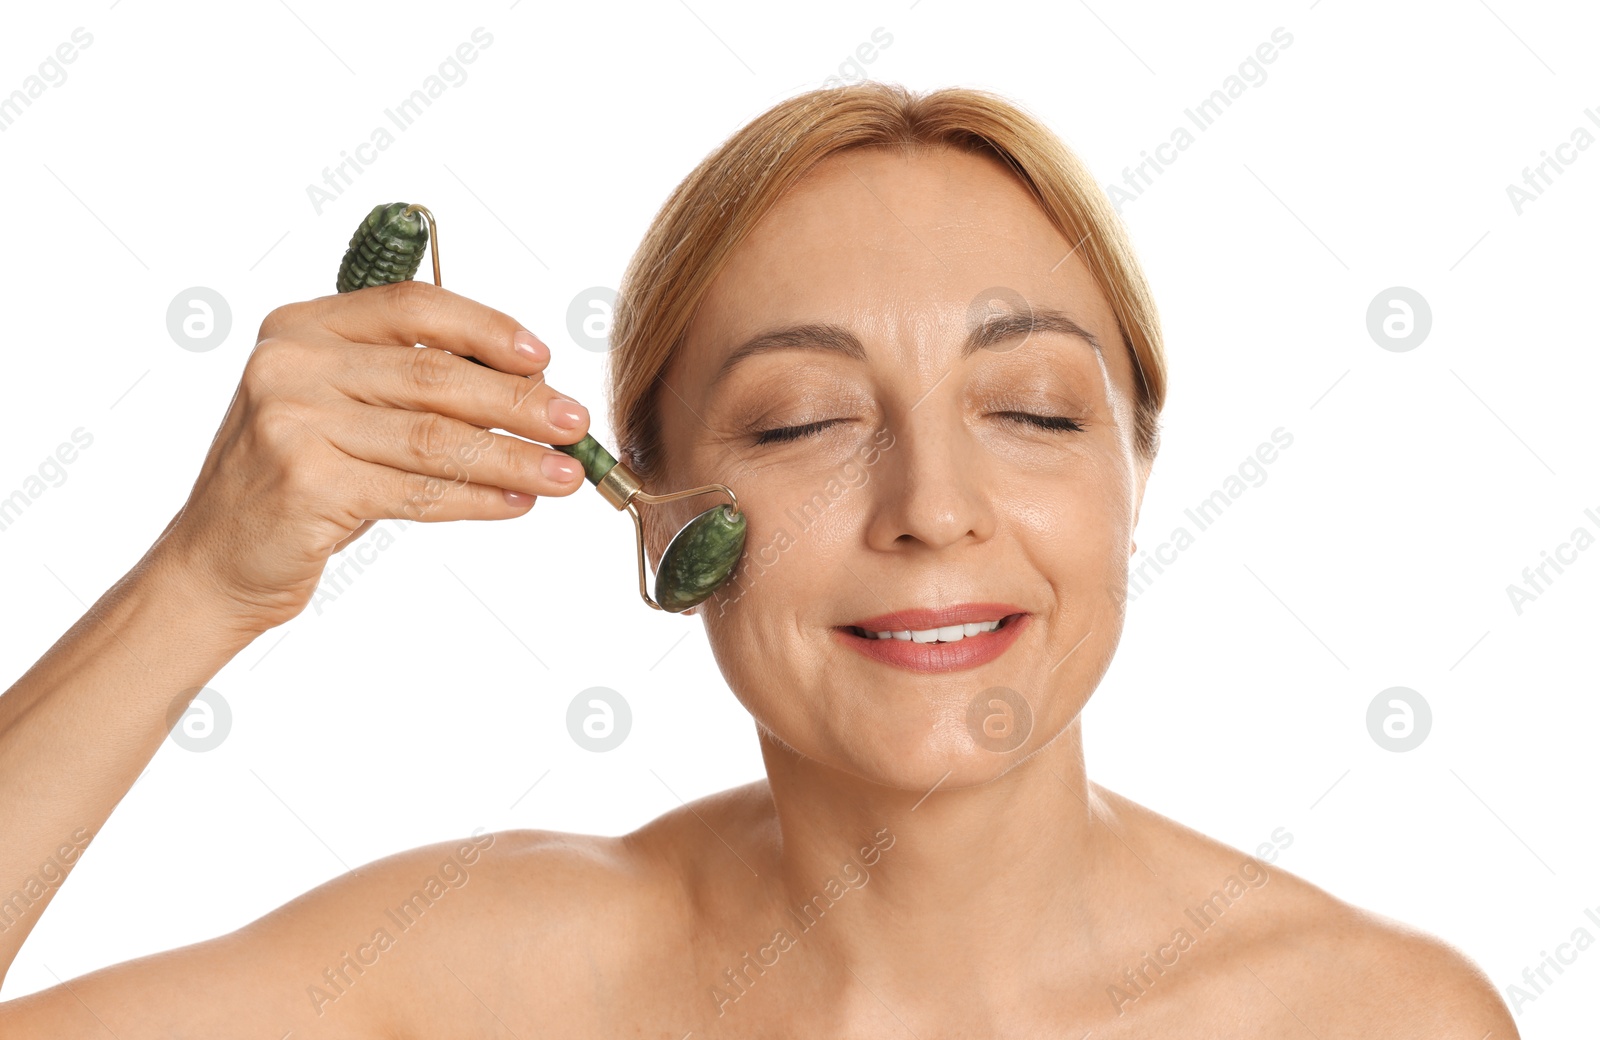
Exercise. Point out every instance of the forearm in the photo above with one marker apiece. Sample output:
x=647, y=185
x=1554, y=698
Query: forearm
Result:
x=81, y=725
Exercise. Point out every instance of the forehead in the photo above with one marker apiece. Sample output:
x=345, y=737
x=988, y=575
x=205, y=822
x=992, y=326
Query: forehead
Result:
x=899, y=246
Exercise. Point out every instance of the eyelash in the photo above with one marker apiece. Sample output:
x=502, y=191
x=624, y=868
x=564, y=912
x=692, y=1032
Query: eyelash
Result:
x=792, y=433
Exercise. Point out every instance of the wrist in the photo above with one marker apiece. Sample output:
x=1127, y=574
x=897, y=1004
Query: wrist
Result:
x=175, y=587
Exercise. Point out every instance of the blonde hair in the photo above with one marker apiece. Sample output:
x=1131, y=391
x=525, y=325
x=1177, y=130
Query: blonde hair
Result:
x=724, y=197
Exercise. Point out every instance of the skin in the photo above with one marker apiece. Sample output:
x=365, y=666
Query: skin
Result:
x=1000, y=893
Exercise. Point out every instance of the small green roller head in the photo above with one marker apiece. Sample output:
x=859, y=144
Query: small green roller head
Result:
x=387, y=247
x=597, y=461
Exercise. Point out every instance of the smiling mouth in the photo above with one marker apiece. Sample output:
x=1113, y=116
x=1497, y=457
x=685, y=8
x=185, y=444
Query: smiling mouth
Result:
x=946, y=634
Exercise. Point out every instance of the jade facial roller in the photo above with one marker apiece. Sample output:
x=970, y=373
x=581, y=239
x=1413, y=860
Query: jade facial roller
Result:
x=387, y=247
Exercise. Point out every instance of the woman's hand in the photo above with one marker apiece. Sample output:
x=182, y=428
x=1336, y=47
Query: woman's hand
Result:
x=340, y=420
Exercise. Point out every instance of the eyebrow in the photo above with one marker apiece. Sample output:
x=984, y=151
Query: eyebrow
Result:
x=837, y=339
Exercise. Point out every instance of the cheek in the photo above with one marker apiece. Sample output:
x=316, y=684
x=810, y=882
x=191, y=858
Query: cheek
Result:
x=763, y=660
x=802, y=518
x=1081, y=510
x=800, y=528
x=1074, y=526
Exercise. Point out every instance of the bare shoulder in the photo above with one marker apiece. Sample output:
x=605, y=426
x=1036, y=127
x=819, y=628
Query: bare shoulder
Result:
x=516, y=929
x=561, y=925
x=589, y=935
x=1402, y=981
x=1289, y=955
x=455, y=938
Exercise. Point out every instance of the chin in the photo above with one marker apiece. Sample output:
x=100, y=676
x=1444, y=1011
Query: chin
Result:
x=941, y=753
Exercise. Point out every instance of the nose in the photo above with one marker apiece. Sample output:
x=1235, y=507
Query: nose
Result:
x=934, y=490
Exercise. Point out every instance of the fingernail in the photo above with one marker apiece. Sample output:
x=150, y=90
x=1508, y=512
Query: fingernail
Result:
x=516, y=498
x=560, y=467
x=528, y=345
x=564, y=413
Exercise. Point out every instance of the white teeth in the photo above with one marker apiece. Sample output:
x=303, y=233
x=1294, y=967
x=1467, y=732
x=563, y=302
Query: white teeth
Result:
x=947, y=634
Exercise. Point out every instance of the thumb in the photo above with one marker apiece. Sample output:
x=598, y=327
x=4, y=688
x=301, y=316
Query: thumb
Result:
x=357, y=533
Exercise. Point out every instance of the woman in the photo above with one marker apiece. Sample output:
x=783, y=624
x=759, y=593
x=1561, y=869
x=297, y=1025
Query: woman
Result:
x=910, y=332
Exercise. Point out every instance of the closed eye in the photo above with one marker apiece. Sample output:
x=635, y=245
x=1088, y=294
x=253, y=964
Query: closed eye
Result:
x=793, y=433
x=1046, y=422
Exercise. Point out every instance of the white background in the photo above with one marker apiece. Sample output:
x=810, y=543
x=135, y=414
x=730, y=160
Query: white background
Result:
x=430, y=696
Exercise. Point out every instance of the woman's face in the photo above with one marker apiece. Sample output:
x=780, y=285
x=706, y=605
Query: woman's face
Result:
x=923, y=483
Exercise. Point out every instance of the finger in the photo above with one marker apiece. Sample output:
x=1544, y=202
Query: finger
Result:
x=441, y=446
x=353, y=535
x=428, y=380
x=375, y=492
x=411, y=312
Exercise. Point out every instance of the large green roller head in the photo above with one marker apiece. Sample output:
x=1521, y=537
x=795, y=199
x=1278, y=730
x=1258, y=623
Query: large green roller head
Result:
x=699, y=558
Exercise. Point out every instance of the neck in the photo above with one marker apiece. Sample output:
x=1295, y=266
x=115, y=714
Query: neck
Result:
x=976, y=891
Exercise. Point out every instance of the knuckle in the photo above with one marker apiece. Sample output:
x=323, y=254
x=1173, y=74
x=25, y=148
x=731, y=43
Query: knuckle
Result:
x=482, y=444
x=276, y=428
x=299, y=480
x=431, y=370
x=523, y=398
x=488, y=325
x=472, y=458
x=416, y=299
x=421, y=492
x=428, y=437
x=277, y=319
x=270, y=362
x=509, y=459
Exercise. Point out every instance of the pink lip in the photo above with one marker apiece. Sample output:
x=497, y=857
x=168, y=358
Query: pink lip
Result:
x=922, y=620
x=970, y=652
